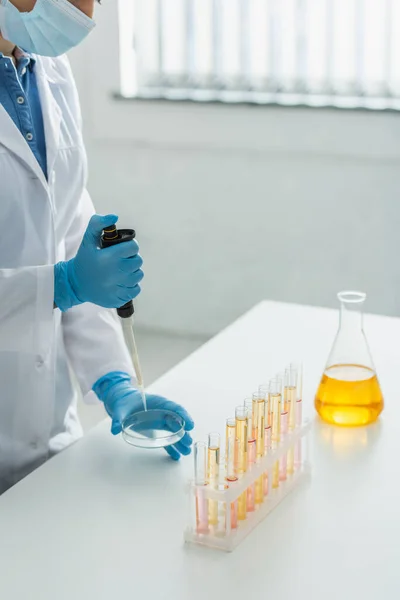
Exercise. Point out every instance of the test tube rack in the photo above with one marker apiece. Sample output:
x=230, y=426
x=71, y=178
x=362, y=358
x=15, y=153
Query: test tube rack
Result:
x=225, y=537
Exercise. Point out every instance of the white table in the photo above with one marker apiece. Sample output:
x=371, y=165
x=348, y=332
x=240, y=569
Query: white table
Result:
x=103, y=520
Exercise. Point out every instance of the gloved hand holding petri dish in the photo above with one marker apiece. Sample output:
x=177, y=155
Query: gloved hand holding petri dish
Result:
x=164, y=424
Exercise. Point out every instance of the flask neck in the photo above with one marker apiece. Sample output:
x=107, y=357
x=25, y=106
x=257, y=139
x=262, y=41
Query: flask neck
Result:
x=350, y=346
x=351, y=317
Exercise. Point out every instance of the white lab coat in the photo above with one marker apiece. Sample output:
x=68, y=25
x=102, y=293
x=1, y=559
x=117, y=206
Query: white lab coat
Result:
x=42, y=223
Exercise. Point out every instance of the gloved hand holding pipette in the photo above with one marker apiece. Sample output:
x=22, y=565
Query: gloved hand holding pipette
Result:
x=108, y=278
x=121, y=399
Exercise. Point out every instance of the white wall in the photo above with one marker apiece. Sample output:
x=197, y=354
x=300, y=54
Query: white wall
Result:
x=236, y=204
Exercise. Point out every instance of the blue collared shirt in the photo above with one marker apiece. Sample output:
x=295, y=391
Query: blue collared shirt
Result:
x=19, y=95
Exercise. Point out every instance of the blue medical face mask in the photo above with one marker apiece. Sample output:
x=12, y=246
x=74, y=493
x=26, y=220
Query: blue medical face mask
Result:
x=50, y=29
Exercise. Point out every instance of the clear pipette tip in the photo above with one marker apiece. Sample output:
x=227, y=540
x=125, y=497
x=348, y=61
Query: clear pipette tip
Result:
x=127, y=326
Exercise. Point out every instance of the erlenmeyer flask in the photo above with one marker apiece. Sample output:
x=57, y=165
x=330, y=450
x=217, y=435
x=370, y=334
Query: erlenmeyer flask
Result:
x=349, y=392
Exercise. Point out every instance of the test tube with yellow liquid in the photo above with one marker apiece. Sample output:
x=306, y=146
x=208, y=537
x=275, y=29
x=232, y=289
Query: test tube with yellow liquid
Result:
x=241, y=464
x=264, y=391
x=276, y=400
x=268, y=446
x=283, y=459
x=299, y=421
x=251, y=454
x=259, y=420
x=214, y=446
x=231, y=458
x=291, y=395
x=299, y=415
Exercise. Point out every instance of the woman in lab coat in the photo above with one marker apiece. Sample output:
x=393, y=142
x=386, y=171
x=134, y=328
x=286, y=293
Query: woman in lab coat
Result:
x=44, y=213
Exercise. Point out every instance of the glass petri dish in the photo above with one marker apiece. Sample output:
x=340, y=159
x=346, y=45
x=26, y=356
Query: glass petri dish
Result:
x=153, y=428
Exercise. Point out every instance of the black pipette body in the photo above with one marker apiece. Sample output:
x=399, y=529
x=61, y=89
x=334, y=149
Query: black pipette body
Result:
x=111, y=236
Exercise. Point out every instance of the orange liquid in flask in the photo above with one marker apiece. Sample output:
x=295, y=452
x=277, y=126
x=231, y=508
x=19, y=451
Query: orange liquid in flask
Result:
x=349, y=395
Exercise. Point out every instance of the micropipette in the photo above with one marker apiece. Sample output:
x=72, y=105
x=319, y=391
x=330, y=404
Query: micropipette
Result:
x=111, y=236
x=156, y=427
x=127, y=327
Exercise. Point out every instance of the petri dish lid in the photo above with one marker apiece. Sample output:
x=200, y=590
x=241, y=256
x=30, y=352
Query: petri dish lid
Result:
x=155, y=428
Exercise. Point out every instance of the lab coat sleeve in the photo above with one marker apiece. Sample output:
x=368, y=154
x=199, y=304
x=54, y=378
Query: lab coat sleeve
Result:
x=26, y=309
x=93, y=335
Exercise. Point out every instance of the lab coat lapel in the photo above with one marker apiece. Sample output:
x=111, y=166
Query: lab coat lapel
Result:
x=12, y=138
x=51, y=113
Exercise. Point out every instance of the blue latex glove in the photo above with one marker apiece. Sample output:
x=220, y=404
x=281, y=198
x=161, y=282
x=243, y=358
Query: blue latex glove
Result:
x=109, y=277
x=121, y=399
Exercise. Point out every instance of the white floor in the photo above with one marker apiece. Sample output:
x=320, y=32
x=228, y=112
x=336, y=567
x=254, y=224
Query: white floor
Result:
x=158, y=353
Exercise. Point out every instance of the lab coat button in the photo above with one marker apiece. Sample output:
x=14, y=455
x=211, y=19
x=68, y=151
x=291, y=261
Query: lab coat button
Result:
x=34, y=444
x=20, y=99
x=39, y=361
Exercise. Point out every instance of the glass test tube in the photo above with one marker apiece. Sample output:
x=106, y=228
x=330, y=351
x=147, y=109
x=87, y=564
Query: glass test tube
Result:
x=258, y=421
x=299, y=416
x=264, y=389
x=297, y=450
x=280, y=378
x=251, y=434
x=285, y=403
x=241, y=466
x=200, y=478
x=259, y=415
x=241, y=437
x=214, y=445
x=268, y=446
x=231, y=458
x=276, y=400
x=231, y=450
x=299, y=387
x=283, y=459
x=251, y=455
x=291, y=392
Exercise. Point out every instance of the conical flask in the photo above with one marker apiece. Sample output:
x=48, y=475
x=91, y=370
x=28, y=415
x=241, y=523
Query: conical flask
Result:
x=349, y=392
